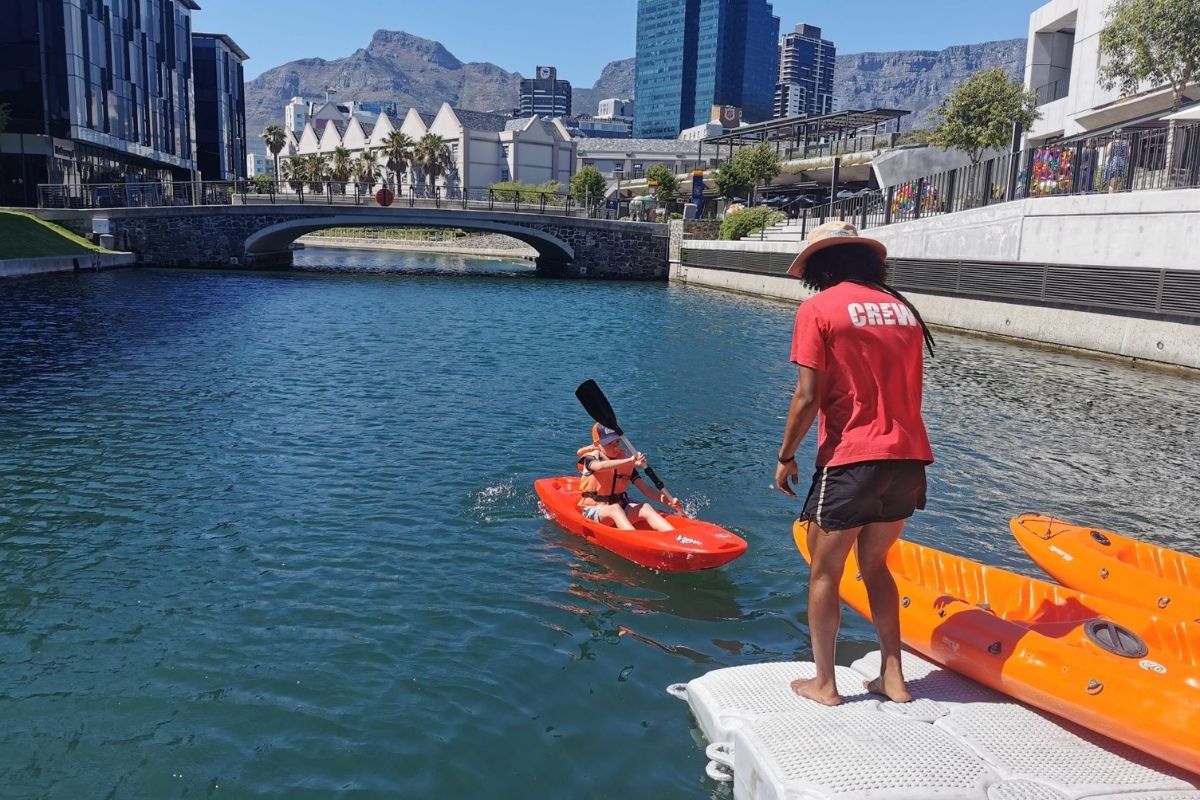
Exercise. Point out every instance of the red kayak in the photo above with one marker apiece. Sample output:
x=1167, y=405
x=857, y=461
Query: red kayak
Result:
x=693, y=545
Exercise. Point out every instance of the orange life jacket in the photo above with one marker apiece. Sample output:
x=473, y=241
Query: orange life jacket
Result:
x=603, y=486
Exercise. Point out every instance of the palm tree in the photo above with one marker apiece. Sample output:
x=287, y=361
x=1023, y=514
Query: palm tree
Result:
x=274, y=138
x=397, y=152
x=316, y=171
x=434, y=155
x=295, y=172
x=366, y=167
x=339, y=168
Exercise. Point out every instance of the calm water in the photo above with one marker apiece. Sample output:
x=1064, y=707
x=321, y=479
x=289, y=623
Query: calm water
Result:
x=273, y=535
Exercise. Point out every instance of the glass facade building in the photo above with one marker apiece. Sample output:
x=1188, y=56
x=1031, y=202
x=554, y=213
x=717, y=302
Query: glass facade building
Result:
x=220, y=107
x=693, y=55
x=805, y=74
x=98, y=90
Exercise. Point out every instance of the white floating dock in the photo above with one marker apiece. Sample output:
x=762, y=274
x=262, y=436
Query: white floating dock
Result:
x=957, y=740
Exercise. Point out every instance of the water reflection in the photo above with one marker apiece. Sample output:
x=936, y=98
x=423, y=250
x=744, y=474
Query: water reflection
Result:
x=607, y=579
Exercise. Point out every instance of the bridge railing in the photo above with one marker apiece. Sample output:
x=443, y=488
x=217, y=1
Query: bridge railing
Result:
x=337, y=193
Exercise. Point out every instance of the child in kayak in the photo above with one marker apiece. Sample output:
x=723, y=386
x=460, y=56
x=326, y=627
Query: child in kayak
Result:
x=607, y=472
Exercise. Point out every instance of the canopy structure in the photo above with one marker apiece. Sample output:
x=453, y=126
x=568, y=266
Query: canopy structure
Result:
x=804, y=136
x=1187, y=114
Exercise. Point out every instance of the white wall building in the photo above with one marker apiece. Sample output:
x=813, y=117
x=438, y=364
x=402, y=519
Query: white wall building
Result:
x=484, y=148
x=615, y=108
x=1062, y=65
x=257, y=164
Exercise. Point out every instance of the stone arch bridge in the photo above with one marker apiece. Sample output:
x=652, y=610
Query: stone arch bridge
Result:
x=261, y=235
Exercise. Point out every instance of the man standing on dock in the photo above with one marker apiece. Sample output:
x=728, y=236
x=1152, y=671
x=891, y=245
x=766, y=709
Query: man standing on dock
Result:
x=857, y=343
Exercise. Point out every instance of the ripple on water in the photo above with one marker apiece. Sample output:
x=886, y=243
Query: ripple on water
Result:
x=275, y=534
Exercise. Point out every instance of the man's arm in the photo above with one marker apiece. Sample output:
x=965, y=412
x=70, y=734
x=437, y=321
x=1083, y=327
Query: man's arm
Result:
x=806, y=400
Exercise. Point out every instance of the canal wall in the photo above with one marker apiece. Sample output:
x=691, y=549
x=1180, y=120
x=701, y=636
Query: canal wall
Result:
x=757, y=268
x=1153, y=230
x=18, y=267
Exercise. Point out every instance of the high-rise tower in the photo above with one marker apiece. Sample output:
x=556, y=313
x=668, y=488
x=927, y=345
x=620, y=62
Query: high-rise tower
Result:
x=696, y=54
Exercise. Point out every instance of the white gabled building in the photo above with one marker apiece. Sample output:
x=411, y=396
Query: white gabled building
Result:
x=484, y=148
x=1062, y=64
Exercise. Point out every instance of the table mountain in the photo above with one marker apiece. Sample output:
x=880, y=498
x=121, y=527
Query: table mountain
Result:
x=421, y=73
x=395, y=66
x=917, y=80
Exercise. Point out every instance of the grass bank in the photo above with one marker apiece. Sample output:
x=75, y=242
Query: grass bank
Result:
x=25, y=236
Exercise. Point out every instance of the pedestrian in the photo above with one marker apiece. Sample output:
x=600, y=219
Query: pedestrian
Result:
x=1116, y=160
x=1088, y=159
x=857, y=343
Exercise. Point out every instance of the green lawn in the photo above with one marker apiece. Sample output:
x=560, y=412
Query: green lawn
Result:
x=26, y=236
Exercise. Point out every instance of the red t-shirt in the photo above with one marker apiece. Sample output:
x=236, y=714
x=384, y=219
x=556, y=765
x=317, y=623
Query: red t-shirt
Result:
x=866, y=345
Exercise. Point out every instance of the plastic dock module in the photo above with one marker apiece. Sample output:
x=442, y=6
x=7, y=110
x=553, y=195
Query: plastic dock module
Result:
x=957, y=740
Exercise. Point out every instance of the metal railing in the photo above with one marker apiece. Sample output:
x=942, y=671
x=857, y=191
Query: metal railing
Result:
x=1055, y=90
x=1165, y=293
x=1120, y=161
x=337, y=193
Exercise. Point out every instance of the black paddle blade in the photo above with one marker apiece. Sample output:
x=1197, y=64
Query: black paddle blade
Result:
x=597, y=405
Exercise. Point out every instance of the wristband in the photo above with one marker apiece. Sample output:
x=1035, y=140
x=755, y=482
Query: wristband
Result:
x=786, y=460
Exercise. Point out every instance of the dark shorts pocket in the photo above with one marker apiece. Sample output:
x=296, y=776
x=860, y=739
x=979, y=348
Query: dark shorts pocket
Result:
x=853, y=495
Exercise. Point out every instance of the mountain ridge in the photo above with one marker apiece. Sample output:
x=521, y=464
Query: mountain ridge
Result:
x=421, y=73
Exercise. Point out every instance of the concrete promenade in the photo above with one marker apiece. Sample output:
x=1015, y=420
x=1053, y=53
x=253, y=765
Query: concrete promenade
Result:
x=17, y=267
x=1151, y=229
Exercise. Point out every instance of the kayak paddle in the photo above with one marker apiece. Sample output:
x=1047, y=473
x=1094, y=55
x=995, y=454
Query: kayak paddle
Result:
x=599, y=409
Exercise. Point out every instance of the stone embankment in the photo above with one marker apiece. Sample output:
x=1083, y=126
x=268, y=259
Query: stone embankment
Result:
x=484, y=246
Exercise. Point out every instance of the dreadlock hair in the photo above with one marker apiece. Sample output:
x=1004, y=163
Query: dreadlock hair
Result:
x=846, y=262
x=861, y=264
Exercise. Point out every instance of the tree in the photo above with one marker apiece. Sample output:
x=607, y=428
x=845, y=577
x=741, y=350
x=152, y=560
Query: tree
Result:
x=365, y=168
x=397, y=153
x=275, y=139
x=340, y=168
x=668, y=183
x=434, y=155
x=731, y=180
x=294, y=172
x=588, y=186
x=316, y=170
x=1155, y=42
x=980, y=113
x=759, y=163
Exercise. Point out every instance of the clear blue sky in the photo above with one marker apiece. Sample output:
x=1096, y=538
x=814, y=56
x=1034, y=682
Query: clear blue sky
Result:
x=577, y=36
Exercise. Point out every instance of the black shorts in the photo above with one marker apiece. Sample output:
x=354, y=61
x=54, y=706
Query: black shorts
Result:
x=853, y=495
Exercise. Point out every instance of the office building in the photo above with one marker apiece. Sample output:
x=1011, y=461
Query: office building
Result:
x=694, y=54
x=97, y=92
x=545, y=95
x=805, y=74
x=220, y=107
x=615, y=108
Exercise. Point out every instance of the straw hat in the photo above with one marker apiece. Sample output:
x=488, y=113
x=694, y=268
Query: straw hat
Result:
x=828, y=235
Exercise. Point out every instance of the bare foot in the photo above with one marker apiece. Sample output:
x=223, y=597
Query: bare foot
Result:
x=895, y=690
x=826, y=695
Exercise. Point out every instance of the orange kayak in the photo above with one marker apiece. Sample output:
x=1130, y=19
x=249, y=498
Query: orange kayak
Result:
x=1110, y=565
x=693, y=545
x=1051, y=647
